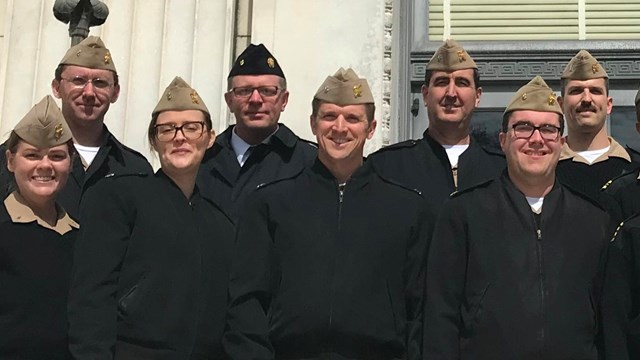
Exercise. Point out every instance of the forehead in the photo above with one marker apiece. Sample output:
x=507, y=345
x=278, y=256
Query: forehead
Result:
x=589, y=83
x=456, y=74
x=255, y=80
x=23, y=146
x=179, y=116
x=74, y=70
x=535, y=117
x=353, y=110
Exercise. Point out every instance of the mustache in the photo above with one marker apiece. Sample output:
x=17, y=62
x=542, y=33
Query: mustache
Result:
x=586, y=108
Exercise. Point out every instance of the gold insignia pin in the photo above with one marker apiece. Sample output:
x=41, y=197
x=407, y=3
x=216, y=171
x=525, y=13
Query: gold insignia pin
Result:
x=58, y=132
x=524, y=96
x=326, y=89
x=461, y=56
x=439, y=58
x=357, y=91
x=194, y=97
x=78, y=53
x=594, y=68
x=552, y=99
x=107, y=57
x=241, y=62
x=271, y=62
x=169, y=95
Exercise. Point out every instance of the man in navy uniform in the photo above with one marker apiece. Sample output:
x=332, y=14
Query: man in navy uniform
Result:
x=258, y=148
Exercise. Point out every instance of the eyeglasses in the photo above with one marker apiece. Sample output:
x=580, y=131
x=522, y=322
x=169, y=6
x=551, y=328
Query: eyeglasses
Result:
x=526, y=130
x=264, y=91
x=191, y=130
x=80, y=82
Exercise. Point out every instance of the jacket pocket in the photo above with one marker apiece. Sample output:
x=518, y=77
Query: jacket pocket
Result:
x=472, y=310
x=127, y=302
x=593, y=305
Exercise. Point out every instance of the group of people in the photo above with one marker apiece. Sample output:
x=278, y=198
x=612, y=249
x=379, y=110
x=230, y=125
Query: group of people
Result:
x=256, y=244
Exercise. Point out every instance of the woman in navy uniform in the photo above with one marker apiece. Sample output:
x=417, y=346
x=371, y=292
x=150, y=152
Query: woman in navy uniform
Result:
x=37, y=239
x=151, y=264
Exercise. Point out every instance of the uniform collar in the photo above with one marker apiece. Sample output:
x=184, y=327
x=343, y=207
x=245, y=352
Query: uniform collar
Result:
x=615, y=150
x=20, y=212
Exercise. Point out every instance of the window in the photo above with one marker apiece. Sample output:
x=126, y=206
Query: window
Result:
x=533, y=19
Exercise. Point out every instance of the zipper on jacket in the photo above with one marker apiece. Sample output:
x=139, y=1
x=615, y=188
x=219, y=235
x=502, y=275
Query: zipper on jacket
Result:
x=541, y=334
x=341, y=188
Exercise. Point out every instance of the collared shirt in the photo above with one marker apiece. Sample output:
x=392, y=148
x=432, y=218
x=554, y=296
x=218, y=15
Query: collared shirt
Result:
x=20, y=212
x=242, y=149
x=615, y=150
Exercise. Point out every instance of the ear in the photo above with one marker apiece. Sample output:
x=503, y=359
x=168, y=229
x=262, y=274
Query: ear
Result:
x=227, y=99
x=212, y=138
x=116, y=93
x=55, y=88
x=503, y=141
x=478, y=95
x=559, y=99
x=313, y=123
x=372, y=129
x=285, y=100
x=11, y=158
x=425, y=91
x=609, y=105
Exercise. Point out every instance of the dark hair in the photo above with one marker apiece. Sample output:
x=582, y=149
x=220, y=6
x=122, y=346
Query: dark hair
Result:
x=369, y=109
x=61, y=67
x=506, y=116
x=151, y=131
x=563, y=83
x=476, y=77
x=282, y=83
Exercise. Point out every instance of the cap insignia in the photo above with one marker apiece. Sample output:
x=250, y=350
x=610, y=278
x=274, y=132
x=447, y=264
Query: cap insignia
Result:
x=107, y=58
x=594, y=68
x=461, y=56
x=271, y=62
x=552, y=99
x=357, y=91
x=194, y=97
x=241, y=62
x=169, y=95
x=524, y=96
x=326, y=89
x=78, y=53
x=58, y=132
x=439, y=58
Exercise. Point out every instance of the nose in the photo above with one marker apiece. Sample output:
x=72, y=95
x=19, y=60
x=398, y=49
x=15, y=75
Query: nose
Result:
x=587, y=96
x=255, y=97
x=44, y=163
x=339, y=124
x=451, y=90
x=88, y=89
x=536, y=137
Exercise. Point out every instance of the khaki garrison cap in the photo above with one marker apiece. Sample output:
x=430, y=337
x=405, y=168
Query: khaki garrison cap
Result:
x=179, y=96
x=536, y=96
x=345, y=88
x=90, y=53
x=450, y=57
x=44, y=126
x=583, y=66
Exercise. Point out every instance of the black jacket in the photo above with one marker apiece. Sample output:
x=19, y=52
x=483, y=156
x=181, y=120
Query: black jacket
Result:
x=423, y=164
x=35, y=269
x=112, y=158
x=622, y=293
x=500, y=286
x=222, y=180
x=625, y=190
x=320, y=273
x=150, y=272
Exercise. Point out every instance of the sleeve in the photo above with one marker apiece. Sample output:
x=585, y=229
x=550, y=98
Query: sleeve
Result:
x=414, y=274
x=252, y=277
x=100, y=247
x=618, y=299
x=446, y=267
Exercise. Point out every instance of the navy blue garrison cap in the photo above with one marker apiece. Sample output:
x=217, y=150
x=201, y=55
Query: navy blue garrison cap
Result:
x=256, y=60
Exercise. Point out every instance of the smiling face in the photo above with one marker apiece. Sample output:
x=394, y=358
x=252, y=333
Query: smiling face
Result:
x=83, y=105
x=451, y=97
x=181, y=156
x=39, y=173
x=256, y=115
x=534, y=157
x=341, y=132
x=586, y=105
